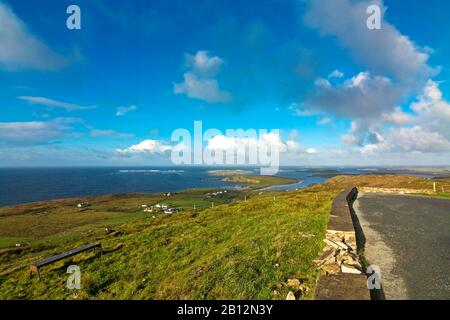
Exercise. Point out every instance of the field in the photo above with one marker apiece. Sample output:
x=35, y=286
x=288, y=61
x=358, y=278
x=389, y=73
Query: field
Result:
x=393, y=181
x=240, y=250
x=236, y=249
x=50, y=221
x=260, y=182
x=229, y=172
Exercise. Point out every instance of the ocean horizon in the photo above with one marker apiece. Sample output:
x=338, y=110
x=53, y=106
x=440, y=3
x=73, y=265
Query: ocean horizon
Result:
x=29, y=184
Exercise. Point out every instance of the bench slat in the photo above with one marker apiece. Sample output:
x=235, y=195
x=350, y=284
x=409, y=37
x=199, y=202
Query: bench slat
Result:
x=65, y=255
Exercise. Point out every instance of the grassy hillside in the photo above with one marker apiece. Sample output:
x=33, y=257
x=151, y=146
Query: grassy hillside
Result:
x=229, y=172
x=59, y=220
x=240, y=250
x=235, y=250
x=260, y=182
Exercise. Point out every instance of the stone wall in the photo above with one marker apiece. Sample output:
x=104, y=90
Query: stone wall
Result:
x=395, y=190
x=341, y=275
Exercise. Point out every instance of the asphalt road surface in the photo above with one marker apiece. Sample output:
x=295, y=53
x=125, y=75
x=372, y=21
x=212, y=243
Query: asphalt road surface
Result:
x=408, y=237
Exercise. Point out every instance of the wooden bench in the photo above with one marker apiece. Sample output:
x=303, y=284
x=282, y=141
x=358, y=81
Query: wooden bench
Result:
x=36, y=266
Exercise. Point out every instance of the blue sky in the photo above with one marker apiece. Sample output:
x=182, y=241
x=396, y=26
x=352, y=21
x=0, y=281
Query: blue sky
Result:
x=113, y=92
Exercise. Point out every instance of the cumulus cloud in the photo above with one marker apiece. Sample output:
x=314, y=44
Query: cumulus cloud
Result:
x=54, y=103
x=200, y=82
x=121, y=111
x=361, y=97
x=324, y=121
x=336, y=74
x=432, y=112
x=266, y=141
x=204, y=65
x=202, y=89
x=426, y=129
x=397, y=117
x=395, y=69
x=419, y=139
x=146, y=146
x=384, y=51
x=395, y=65
x=20, y=49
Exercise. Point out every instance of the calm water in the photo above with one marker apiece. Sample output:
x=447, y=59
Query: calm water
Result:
x=21, y=185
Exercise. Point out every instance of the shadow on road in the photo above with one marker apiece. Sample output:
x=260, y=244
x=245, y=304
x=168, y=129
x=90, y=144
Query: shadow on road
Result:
x=375, y=294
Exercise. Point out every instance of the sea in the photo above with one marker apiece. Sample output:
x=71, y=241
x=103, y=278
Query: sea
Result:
x=23, y=185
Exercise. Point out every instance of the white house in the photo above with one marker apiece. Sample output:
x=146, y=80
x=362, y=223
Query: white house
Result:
x=83, y=205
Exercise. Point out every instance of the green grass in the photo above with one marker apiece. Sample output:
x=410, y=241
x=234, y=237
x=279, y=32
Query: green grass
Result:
x=46, y=221
x=11, y=241
x=439, y=195
x=226, y=252
x=236, y=250
x=391, y=181
x=260, y=182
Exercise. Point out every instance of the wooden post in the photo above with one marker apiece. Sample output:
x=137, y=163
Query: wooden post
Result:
x=194, y=206
x=434, y=187
x=212, y=204
x=34, y=269
x=245, y=198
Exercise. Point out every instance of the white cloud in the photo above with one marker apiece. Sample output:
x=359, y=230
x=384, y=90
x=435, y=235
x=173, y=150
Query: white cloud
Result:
x=146, y=146
x=397, y=117
x=110, y=133
x=426, y=129
x=361, y=97
x=350, y=139
x=396, y=69
x=54, y=103
x=20, y=49
x=384, y=51
x=311, y=150
x=199, y=82
x=36, y=132
x=324, y=121
x=419, y=139
x=266, y=141
x=336, y=74
x=202, y=89
x=432, y=111
x=121, y=111
x=204, y=65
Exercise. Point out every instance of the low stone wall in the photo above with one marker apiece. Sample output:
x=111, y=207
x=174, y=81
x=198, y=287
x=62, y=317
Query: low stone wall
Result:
x=395, y=190
x=341, y=275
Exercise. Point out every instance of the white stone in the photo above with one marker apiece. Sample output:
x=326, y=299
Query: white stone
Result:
x=290, y=296
x=349, y=269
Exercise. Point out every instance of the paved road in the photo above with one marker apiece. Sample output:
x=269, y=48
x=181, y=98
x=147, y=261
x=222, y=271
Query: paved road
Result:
x=408, y=237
